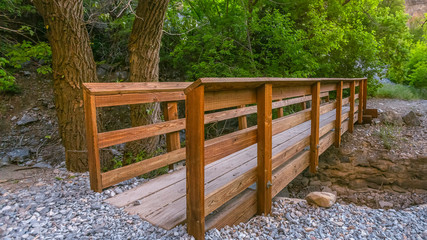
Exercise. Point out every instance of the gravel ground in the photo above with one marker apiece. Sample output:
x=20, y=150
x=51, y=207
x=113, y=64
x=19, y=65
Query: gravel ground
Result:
x=66, y=209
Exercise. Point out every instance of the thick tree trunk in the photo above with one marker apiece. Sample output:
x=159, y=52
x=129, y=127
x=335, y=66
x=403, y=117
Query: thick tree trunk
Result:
x=72, y=64
x=144, y=47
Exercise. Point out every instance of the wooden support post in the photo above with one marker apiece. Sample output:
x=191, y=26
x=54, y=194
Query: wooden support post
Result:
x=170, y=111
x=360, y=110
x=280, y=112
x=195, y=163
x=304, y=105
x=94, y=161
x=365, y=94
x=338, y=112
x=351, y=113
x=315, y=118
x=264, y=120
x=243, y=122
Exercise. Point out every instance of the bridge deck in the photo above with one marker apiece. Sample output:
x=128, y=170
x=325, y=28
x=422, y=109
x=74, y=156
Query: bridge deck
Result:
x=162, y=201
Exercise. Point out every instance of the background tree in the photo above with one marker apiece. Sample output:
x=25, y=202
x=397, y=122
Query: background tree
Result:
x=144, y=49
x=72, y=64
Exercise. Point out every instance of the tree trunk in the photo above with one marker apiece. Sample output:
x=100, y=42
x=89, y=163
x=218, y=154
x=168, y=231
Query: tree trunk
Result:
x=144, y=48
x=72, y=64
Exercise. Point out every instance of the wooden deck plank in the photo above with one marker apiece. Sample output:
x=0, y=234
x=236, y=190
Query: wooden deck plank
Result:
x=171, y=187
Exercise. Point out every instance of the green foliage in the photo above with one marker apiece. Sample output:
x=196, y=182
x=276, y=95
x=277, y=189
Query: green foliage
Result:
x=417, y=65
x=401, y=92
x=388, y=135
x=302, y=38
x=26, y=51
x=19, y=54
x=7, y=81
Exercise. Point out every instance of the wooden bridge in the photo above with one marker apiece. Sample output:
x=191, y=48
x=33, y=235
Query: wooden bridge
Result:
x=230, y=178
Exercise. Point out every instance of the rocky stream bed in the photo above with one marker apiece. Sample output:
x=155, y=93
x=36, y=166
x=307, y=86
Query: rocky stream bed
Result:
x=65, y=208
x=379, y=176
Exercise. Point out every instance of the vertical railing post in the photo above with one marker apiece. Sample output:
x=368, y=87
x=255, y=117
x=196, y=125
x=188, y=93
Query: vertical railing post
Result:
x=94, y=162
x=315, y=118
x=351, y=113
x=195, y=162
x=365, y=94
x=264, y=168
x=243, y=122
x=170, y=111
x=280, y=112
x=338, y=112
x=360, y=110
x=303, y=105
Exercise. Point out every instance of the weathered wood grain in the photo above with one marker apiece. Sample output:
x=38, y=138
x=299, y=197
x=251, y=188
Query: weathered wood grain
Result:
x=195, y=163
x=264, y=143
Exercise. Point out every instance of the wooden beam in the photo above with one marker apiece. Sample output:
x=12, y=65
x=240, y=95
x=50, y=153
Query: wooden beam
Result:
x=338, y=113
x=195, y=177
x=351, y=113
x=365, y=93
x=264, y=152
x=280, y=112
x=136, y=169
x=170, y=112
x=223, y=194
x=372, y=112
x=240, y=209
x=284, y=175
x=137, y=98
x=227, y=99
x=290, y=91
x=304, y=105
x=361, y=96
x=315, y=117
x=134, y=87
x=111, y=138
x=243, y=123
x=94, y=162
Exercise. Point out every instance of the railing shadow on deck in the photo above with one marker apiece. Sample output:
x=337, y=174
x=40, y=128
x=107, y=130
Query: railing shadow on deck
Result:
x=240, y=97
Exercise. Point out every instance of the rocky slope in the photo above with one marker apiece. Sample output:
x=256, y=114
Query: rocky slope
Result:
x=416, y=8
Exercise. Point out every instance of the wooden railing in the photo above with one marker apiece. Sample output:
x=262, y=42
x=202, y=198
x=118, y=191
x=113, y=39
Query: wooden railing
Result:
x=239, y=97
x=213, y=94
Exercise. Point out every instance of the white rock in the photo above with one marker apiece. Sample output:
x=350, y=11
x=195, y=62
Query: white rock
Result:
x=321, y=199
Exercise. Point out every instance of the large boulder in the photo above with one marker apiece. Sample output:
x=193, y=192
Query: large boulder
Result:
x=26, y=119
x=321, y=199
x=19, y=155
x=411, y=119
x=391, y=118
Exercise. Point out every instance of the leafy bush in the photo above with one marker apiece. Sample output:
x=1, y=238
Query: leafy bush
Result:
x=26, y=51
x=7, y=81
x=19, y=54
x=417, y=65
x=400, y=91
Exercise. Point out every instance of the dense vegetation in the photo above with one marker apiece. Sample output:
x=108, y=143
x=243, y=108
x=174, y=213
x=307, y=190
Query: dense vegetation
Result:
x=229, y=38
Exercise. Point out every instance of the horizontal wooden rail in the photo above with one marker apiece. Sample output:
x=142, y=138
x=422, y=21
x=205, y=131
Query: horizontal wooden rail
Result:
x=97, y=89
x=115, y=137
x=237, y=97
x=214, y=148
x=222, y=195
x=137, y=98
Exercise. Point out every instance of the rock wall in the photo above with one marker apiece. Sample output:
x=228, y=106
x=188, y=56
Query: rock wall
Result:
x=374, y=169
x=416, y=8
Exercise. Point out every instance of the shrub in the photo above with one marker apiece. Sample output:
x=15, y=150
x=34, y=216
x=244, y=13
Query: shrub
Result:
x=401, y=92
x=7, y=81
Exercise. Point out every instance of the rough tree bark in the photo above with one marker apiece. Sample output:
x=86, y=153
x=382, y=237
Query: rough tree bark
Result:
x=72, y=64
x=144, y=47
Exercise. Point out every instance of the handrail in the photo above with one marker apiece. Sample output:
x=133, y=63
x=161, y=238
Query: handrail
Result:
x=215, y=93
x=217, y=84
x=206, y=94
